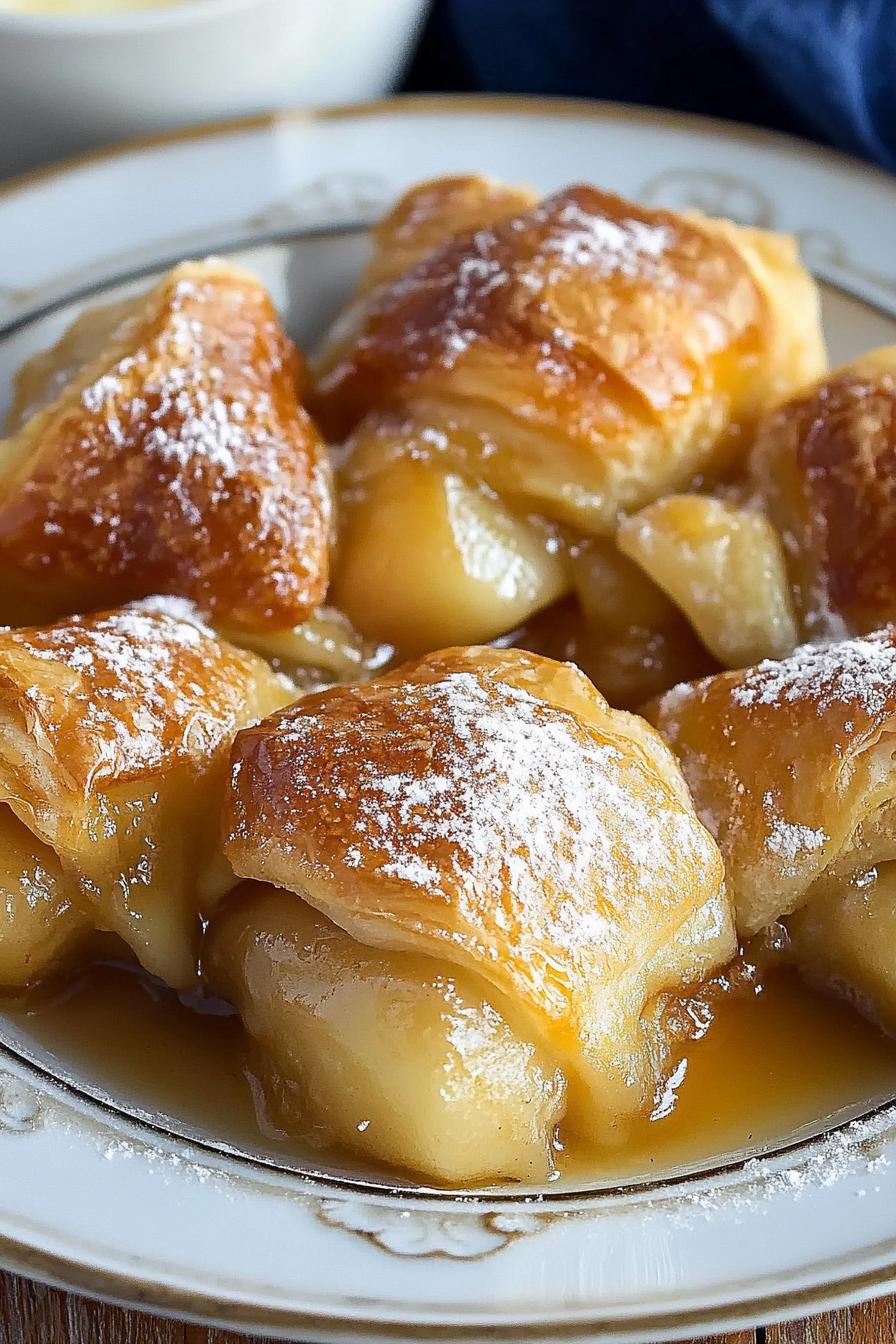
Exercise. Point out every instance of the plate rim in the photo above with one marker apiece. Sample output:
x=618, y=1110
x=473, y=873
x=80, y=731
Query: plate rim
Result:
x=131, y=1293
x=410, y=104
x=130, y=1289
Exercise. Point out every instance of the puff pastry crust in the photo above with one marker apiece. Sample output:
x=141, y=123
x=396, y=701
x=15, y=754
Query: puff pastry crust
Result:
x=115, y=733
x=486, y=807
x=582, y=356
x=791, y=767
x=430, y=213
x=176, y=458
x=825, y=463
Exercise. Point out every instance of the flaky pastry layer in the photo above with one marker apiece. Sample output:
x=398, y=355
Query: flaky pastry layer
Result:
x=177, y=459
x=487, y=807
x=791, y=766
x=583, y=355
x=115, y=733
x=825, y=463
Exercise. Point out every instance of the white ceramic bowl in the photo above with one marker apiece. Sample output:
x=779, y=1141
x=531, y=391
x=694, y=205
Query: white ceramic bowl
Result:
x=68, y=82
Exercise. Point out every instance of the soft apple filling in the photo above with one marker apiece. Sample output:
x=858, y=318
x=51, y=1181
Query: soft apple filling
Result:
x=401, y=1057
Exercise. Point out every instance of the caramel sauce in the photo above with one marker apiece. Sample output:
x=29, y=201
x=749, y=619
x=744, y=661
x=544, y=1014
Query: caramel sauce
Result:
x=776, y=1059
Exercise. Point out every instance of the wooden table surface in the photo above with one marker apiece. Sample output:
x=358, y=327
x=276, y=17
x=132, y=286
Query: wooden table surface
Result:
x=33, y=1314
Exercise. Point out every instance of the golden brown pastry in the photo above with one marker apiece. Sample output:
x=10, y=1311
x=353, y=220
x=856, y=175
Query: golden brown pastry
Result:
x=176, y=458
x=487, y=809
x=584, y=355
x=791, y=766
x=399, y=1056
x=430, y=213
x=555, y=362
x=825, y=462
x=115, y=733
x=46, y=374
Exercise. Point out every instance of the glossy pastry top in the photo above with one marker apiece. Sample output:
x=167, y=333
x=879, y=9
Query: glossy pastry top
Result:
x=790, y=765
x=580, y=356
x=98, y=701
x=826, y=464
x=579, y=297
x=47, y=373
x=432, y=212
x=115, y=733
x=178, y=460
x=488, y=807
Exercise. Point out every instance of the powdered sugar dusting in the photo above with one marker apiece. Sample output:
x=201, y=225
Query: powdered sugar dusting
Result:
x=147, y=685
x=853, y=1154
x=545, y=837
x=524, y=766
x=177, y=413
x=178, y=608
x=606, y=246
x=511, y=266
x=859, y=672
x=789, y=841
x=188, y=466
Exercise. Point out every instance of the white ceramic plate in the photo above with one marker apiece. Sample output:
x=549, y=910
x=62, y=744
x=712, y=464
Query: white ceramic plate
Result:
x=97, y=1196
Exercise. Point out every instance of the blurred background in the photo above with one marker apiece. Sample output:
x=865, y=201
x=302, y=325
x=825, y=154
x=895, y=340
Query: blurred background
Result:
x=825, y=69
x=78, y=73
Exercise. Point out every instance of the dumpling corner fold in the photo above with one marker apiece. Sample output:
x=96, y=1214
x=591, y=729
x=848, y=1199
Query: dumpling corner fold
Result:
x=487, y=808
x=790, y=765
x=114, y=738
x=164, y=449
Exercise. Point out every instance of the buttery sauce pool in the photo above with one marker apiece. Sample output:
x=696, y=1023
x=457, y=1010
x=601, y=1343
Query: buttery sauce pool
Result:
x=774, y=1058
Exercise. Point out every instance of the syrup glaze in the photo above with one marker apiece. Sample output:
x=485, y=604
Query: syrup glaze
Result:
x=774, y=1057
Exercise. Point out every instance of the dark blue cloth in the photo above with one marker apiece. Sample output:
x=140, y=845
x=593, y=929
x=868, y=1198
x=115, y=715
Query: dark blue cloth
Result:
x=825, y=68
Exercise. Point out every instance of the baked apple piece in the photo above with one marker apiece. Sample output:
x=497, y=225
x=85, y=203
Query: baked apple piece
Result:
x=429, y=557
x=322, y=651
x=619, y=627
x=43, y=922
x=486, y=809
x=561, y=362
x=174, y=458
x=724, y=568
x=844, y=940
x=402, y=1057
x=115, y=733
